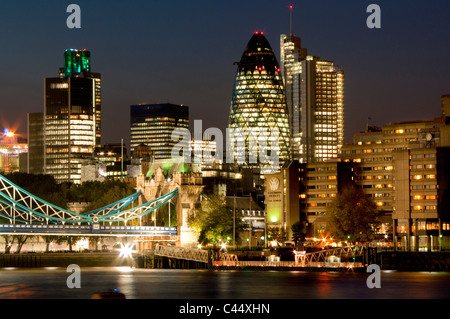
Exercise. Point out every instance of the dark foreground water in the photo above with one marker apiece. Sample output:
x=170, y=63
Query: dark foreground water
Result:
x=50, y=283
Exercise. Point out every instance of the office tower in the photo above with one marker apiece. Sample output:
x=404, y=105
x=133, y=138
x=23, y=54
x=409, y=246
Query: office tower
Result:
x=258, y=105
x=152, y=125
x=291, y=56
x=322, y=110
x=71, y=117
x=77, y=63
x=315, y=101
x=35, y=143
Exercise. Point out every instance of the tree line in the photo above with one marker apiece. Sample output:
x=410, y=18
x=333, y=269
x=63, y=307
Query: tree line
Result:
x=98, y=194
x=70, y=241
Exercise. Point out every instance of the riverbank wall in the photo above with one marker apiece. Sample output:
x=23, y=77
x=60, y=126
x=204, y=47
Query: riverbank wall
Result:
x=63, y=260
x=414, y=261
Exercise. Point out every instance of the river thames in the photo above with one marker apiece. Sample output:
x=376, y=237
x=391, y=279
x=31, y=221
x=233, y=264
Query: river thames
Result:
x=51, y=283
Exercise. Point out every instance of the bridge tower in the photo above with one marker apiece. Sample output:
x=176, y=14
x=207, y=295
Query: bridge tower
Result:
x=190, y=186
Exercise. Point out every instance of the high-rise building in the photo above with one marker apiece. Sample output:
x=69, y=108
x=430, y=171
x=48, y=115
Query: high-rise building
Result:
x=258, y=107
x=322, y=110
x=153, y=124
x=315, y=101
x=72, y=120
x=35, y=158
x=291, y=56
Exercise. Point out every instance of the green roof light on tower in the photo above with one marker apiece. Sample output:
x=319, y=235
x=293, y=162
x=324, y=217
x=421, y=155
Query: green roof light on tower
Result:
x=76, y=62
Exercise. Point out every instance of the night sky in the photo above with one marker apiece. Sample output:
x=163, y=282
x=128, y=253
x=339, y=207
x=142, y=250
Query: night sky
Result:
x=183, y=52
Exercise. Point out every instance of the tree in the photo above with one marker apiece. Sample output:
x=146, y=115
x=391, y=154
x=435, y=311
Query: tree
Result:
x=353, y=216
x=9, y=241
x=70, y=240
x=48, y=240
x=21, y=239
x=107, y=193
x=42, y=186
x=164, y=211
x=277, y=234
x=298, y=232
x=213, y=222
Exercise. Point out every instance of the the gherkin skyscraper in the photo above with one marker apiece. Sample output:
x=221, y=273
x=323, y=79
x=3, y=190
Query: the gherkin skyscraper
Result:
x=258, y=115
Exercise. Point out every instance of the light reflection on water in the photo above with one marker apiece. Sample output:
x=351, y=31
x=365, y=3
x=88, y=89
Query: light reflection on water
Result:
x=202, y=284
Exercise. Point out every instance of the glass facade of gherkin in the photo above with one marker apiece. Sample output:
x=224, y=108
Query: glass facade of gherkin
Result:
x=259, y=104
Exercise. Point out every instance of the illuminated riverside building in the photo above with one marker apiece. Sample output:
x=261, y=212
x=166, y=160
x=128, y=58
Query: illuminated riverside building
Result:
x=403, y=166
x=72, y=120
x=258, y=105
x=153, y=124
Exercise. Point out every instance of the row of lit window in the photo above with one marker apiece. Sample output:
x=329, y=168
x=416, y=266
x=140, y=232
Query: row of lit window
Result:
x=375, y=168
x=321, y=169
x=424, y=166
x=422, y=225
x=420, y=156
x=319, y=178
x=378, y=186
x=378, y=177
x=421, y=186
x=420, y=207
x=419, y=177
x=422, y=197
x=332, y=186
x=330, y=195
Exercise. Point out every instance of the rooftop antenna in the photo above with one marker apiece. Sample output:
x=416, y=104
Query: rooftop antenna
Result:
x=368, y=123
x=291, y=8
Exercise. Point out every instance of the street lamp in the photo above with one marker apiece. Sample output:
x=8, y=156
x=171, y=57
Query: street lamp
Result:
x=234, y=223
x=125, y=251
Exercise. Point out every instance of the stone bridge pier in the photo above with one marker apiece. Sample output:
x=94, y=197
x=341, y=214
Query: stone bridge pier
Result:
x=190, y=186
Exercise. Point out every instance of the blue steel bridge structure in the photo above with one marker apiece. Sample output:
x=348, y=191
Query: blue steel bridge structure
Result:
x=28, y=214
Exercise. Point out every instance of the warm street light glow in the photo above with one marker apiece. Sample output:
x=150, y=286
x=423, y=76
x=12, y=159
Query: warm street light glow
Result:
x=8, y=133
x=125, y=251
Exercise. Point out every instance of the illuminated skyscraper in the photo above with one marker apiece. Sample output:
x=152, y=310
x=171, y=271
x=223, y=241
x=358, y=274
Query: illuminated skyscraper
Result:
x=321, y=109
x=291, y=56
x=72, y=123
x=152, y=125
x=258, y=104
x=315, y=101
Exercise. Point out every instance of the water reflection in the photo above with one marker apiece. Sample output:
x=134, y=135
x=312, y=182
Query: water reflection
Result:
x=203, y=284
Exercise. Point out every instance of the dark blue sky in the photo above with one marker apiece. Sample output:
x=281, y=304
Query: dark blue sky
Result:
x=183, y=52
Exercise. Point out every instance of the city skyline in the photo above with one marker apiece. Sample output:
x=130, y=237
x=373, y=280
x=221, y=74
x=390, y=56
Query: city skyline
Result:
x=384, y=67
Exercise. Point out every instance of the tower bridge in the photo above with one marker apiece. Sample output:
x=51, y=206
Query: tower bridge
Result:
x=26, y=214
